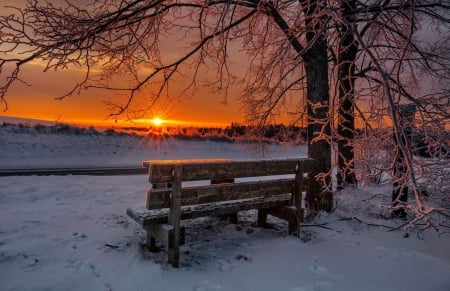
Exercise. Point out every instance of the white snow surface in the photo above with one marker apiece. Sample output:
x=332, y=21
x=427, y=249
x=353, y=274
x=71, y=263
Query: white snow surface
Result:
x=72, y=232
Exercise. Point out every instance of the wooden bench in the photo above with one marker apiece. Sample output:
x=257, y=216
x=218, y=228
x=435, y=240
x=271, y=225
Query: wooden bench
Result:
x=169, y=202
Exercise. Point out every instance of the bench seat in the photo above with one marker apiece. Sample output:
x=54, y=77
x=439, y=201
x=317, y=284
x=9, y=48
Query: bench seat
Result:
x=159, y=216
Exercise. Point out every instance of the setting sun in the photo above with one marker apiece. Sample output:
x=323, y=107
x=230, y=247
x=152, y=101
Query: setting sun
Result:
x=157, y=121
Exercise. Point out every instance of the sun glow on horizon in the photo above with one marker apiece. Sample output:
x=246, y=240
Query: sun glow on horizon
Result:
x=157, y=121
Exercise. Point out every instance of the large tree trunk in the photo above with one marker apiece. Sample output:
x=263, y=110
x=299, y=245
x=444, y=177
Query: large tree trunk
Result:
x=320, y=196
x=346, y=120
x=314, y=55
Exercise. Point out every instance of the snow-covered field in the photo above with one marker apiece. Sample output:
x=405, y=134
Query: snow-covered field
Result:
x=72, y=233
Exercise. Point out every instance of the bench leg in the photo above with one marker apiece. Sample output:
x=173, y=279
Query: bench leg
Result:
x=174, y=251
x=262, y=217
x=291, y=214
x=232, y=218
x=151, y=244
x=294, y=226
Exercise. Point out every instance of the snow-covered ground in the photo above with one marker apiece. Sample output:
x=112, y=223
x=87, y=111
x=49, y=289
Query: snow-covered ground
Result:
x=72, y=233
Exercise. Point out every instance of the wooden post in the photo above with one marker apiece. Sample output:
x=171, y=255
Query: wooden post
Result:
x=232, y=217
x=151, y=241
x=298, y=186
x=150, y=171
x=297, y=198
x=262, y=217
x=174, y=217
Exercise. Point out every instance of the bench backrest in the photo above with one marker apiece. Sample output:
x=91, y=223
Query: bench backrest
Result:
x=173, y=173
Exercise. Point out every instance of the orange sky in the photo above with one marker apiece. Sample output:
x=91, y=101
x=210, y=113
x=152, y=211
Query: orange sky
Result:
x=38, y=100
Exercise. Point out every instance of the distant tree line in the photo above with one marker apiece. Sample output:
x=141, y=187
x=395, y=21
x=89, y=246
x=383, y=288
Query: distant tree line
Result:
x=277, y=133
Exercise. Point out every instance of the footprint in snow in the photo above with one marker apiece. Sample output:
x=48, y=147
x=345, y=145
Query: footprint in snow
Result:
x=94, y=270
x=207, y=286
x=225, y=266
x=316, y=268
x=316, y=286
x=381, y=252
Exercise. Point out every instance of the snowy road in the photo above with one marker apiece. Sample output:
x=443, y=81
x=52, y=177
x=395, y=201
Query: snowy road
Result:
x=92, y=171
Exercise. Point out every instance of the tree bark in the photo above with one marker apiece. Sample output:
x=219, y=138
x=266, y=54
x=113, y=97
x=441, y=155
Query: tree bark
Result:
x=319, y=196
x=346, y=86
x=314, y=55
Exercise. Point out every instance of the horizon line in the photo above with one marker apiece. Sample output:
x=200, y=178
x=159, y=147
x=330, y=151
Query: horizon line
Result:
x=143, y=122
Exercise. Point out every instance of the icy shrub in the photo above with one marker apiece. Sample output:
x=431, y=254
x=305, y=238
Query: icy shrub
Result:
x=373, y=156
x=111, y=132
x=40, y=128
